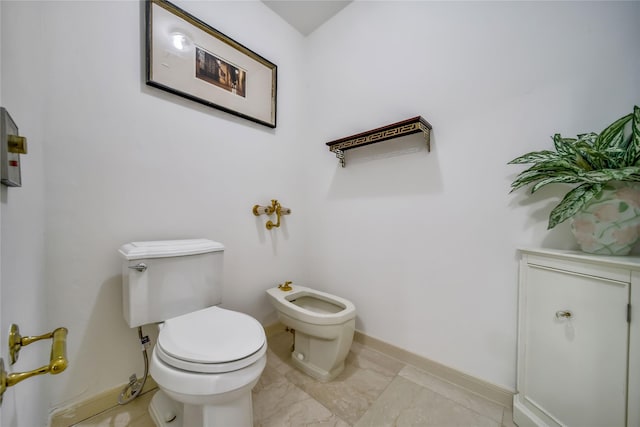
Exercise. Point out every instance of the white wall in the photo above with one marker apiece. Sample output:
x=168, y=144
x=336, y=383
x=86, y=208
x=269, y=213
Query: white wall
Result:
x=22, y=219
x=422, y=243
x=127, y=162
x=425, y=243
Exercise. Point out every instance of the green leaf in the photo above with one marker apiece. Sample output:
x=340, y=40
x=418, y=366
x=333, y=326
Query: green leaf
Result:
x=608, y=138
x=564, y=179
x=576, y=151
x=544, y=171
x=622, y=207
x=559, y=165
x=631, y=173
x=597, y=159
x=563, y=145
x=534, y=157
x=633, y=150
x=572, y=202
x=526, y=178
x=587, y=138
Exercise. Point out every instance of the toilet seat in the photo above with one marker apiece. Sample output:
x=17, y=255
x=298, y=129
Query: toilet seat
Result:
x=211, y=340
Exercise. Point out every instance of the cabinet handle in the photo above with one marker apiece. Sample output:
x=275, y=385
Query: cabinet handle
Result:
x=563, y=314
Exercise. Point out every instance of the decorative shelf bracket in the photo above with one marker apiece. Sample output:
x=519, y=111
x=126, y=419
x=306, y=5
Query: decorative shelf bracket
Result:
x=395, y=130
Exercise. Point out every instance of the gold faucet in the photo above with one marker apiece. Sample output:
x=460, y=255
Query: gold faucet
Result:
x=286, y=286
x=275, y=208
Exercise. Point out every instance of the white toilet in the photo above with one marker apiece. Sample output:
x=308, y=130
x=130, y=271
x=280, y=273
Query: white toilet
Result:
x=206, y=359
x=323, y=327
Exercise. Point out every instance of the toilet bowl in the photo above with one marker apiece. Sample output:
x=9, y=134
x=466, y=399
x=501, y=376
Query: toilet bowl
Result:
x=324, y=325
x=206, y=359
x=195, y=363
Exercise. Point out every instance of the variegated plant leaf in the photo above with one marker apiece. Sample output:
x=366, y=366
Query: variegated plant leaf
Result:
x=608, y=137
x=526, y=178
x=587, y=138
x=591, y=160
x=633, y=150
x=563, y=145
x=597, y=159
x=534, y=157
x=554, y=166
x=572, y=153
x=572, y=202
x=559, y=179
x=631, y=173
x=544, y=170
x=615, y=158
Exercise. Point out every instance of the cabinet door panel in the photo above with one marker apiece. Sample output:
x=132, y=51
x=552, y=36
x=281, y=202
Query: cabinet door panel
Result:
x=576, y=367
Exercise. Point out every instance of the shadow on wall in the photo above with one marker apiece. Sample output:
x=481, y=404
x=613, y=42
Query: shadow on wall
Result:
x=276, y=236
x=107, y=347
x=539, y=205
x=396, y=167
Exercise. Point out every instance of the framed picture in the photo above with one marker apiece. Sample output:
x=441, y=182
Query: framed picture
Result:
x=191, y=59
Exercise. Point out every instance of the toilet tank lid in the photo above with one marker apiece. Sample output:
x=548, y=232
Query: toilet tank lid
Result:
x=168, y=248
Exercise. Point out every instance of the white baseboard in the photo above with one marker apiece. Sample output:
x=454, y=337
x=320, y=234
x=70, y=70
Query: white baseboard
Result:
x=475, y=385
x=525, y=417
x=80, y=411
x=85, y=409
x=470, y=383
x=94, y=405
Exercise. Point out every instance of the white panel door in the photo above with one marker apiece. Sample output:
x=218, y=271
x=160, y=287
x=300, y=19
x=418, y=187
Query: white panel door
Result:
x=576, y=365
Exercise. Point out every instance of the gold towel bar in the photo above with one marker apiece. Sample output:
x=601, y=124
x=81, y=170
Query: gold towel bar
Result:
x=58, y=358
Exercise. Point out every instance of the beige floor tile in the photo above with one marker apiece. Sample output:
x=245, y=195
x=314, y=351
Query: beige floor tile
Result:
x=279, y=363
x=301, y=413
x=364, y=357
x=507, y=418
x=366, y=374
x=405, y=403
x=279, y=403
x=133, y=414
x=374, y=390
x=273, y=395
x=463, y=397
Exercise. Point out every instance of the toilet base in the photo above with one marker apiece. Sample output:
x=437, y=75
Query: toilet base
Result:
x=322, y=359
x=164, y=411
x=314, y=371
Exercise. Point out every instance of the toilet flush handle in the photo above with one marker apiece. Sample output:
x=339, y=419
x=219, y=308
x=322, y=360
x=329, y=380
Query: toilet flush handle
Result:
x=139, y=267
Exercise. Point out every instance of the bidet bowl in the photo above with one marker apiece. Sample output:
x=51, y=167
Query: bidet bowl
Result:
x=312, y=306
x=324, y=325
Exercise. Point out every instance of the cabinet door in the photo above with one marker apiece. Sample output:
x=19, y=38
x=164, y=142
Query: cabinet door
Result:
x=575, y=368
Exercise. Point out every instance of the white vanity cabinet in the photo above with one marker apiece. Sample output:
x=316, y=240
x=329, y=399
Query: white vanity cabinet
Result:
x=578, y=340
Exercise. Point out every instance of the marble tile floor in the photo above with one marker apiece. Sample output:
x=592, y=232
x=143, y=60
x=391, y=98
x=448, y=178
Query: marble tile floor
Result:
x=374, y=390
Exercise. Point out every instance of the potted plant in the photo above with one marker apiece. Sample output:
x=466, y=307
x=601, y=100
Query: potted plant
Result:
x=604, y=169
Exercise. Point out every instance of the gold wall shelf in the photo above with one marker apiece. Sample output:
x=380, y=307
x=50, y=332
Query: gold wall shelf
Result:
x=395, y=130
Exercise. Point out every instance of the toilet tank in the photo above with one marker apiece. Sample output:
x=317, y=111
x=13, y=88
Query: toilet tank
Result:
x=165, y=279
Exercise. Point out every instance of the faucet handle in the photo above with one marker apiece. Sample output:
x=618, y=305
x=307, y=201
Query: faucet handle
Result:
x=286, y=286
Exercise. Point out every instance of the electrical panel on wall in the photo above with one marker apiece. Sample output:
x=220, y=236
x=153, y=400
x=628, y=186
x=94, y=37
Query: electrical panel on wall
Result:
x=11, y=146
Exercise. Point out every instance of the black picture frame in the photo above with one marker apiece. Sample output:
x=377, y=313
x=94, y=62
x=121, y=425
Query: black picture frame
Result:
x=191, y=59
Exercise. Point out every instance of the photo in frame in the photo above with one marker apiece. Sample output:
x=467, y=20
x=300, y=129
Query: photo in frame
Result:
x=189, y=58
